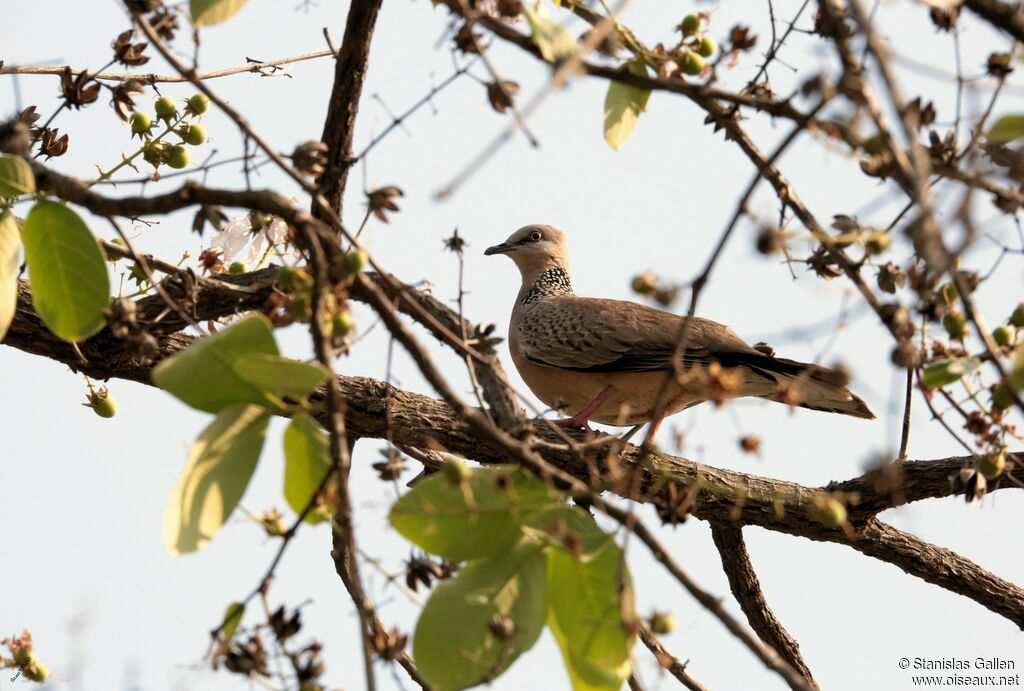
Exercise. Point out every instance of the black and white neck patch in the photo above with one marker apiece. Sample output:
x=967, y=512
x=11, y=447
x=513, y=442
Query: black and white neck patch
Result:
x=554, y=281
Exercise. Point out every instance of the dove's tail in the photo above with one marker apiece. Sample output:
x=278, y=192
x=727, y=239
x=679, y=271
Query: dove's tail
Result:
x=803, y=384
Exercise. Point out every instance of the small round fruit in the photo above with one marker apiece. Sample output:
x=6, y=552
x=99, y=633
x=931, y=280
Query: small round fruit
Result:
x=693, y=64
x=258, y=220
x=644, y=284
x=290, y=277
x=456, y=471
x=299, y=307
x=37, y=671
x=165, y=107
x=1003, y=335
x=238, y=268
x=141, y=122
x=356, y=261
x=955, y=324
x=708, y=47
x=154, y=154
x=877, y=242
x=1017, y=318
x=949, y=293
x=663, y=623
x=102, y=403
x=195, y=135
x=114, y=258
x=178, y=156
x=342, y=324
x=1002, y=399
x=690, y=25
x=199, y=104
x=991, y=465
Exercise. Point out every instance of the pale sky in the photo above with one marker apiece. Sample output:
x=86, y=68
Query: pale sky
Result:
x=82, y=498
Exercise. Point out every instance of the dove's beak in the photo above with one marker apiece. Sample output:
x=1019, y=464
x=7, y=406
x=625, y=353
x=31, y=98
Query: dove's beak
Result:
x=503, y=248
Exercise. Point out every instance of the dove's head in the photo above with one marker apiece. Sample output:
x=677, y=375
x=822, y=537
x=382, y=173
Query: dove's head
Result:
x=535, y=248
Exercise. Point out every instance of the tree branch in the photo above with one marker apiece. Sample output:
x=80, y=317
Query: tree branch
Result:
x=747, y=590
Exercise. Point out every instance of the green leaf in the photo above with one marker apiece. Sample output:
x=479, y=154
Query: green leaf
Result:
x=280, y=376
x=946, y=372
x=555, y=43
x=210, y=12
x=219, y=466
x=10, y=245
x=455, y=644
x=206, y=376
x=307, y=459
x=70, y=287
x=569, y=528
x=590, y=604
x=478, y=518
x=232, y=618
x=1006, y=129
x=622, y=108
x=16, y=176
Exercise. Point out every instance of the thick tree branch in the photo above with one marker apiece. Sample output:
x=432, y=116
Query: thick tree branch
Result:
x=747, y=590
x=374, y=409
x=339, y=127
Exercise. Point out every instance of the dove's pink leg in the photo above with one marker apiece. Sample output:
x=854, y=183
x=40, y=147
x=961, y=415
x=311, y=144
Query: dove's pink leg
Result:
x=582, y=418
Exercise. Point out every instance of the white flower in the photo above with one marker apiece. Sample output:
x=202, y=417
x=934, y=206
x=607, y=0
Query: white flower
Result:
x=237, y=233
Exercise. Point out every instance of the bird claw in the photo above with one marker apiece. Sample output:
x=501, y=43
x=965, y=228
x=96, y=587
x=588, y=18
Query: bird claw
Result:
x=574, y=422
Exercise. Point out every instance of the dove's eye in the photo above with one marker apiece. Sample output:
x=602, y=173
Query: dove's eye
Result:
x=536, y=236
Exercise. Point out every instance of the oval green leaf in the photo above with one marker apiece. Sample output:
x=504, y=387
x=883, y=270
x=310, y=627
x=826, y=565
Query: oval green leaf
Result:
x=16, y=176
x=210, y=12
x=232, y=618
x=554, y=42
x=569, y=528
x=280, y=376
x=206, y=375
x=70, y=286
x=218, y=470
x=622, y=107
x=307, y=459
x=456, y=645
x=1006, y=129
x=946, y=372
x=478, y=518
x=10, y=245
x=590, y=609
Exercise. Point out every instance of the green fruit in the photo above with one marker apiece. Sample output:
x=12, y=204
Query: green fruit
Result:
x=195, y=135
x=693, y=64
x=356, y=261
x=707, y=47
x=102, y=403
x=154, y=154
x=690, y=25
x=342, y=324
x=955, y=324
x=662, y=623
x=456, y=471
x=114, y=258
x=141, y=122
x=949, y=293
x=1001, y=398
x=258, y=221
x=1017, y=318
x=289, y=278
x=991, y=465
x=165, y=108
x=37, y=671
x=238, y=268
x=199, y=104
x=644, y=284
x=273, y=523
x=299, y=307
x=1003, y=335
x=178, y=156
x=877, y=242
